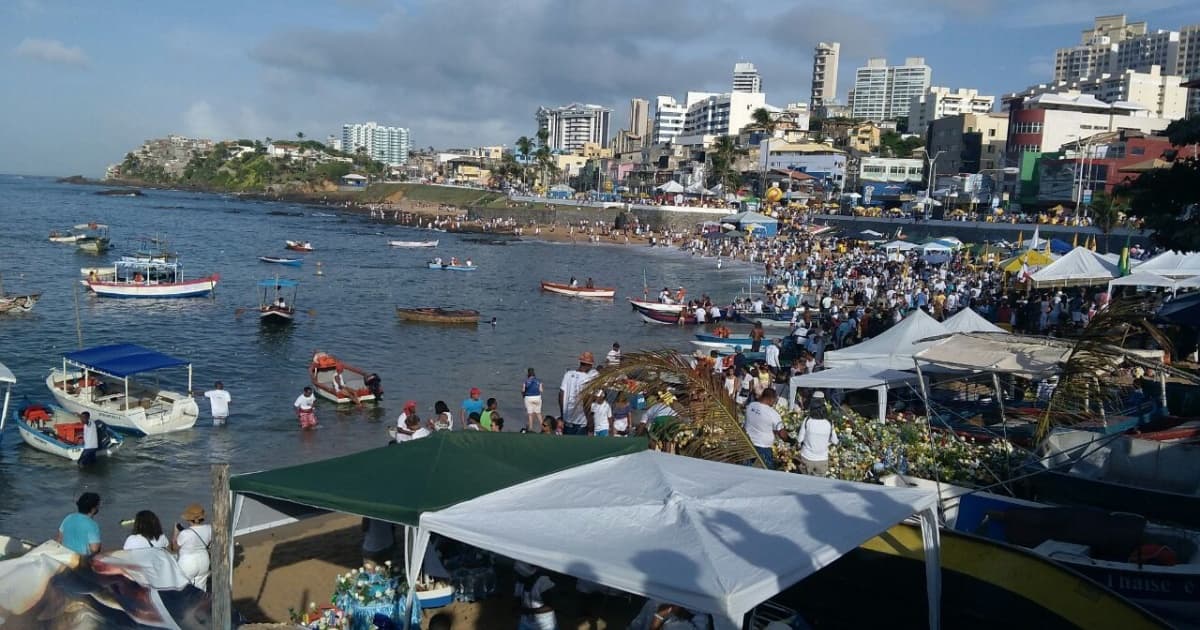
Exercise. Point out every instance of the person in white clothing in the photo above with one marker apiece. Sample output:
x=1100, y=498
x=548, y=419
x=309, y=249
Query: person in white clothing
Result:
x=219, y=400
x=147, y=533
x=572, y=410
x=657, y=615
x=773, y=357
x=192, y=540
x=91, y=440
x=305, y=408
x=613, y=358
x=412, y=429
x=601, y=413
x=815, y=436
x=530, y=590
x=763, y=424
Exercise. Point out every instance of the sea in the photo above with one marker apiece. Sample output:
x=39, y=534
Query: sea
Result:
x=348, y=310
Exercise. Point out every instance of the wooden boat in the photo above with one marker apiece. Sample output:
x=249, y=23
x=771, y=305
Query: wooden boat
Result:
x=291, y=262
x=586, y=292
x=322, y=370
x=94, y=239
x=1115, y=549
x=448, y=267
x=731, y=340
x=134, y=277
x=64, y=236
x=655, y=306
x=18, y=303
x=433, y=315
x=97, y=380
x=1173, y=429
x=658, y=317
x=298, y=246
x=413, y=243
x=274, y=305
x=58, y=432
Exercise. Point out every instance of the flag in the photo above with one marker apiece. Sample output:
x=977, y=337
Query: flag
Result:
x=1075, y=241
x=1035, y=241
x=1123, y=264
x=1020, y=238
x=1047, y=248
x=1025, y=274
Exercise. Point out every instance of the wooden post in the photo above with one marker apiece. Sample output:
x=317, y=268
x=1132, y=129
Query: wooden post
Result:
x=219, y=551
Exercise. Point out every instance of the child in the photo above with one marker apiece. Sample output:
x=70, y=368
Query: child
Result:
x=473, y=422
x=601, y=415
x=485, y=418
x=620, y=415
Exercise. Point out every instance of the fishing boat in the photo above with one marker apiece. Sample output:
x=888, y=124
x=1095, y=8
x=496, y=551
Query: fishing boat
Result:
x=56, y=431
x=730, y=340
x=658, y=317
x=413, y=243
x=324, y=368
x=97, y=380
x=1153, y=565
x=722, y=348
x=606, y=293
x=655, y=306
x=433, y=315
x=134, y=277
x=18, y=303
x=274, y=305
x=94, y=238
x=64, y=236
x=298, y=246
x=453, y=265
x=291, y=262
x=778, y=319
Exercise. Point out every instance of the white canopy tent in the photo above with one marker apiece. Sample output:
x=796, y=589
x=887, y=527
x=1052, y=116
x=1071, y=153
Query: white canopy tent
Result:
x=893, y=349
x=1174, y=264
x=1190, y=283
x=854, y=378
x=1141, y=278
x=1079, y=267
x=967, y=320
x=724, y=538
x=937, y=247
x=1028, y=357
x=671, y=187
x=900, y=246
x=698, y=189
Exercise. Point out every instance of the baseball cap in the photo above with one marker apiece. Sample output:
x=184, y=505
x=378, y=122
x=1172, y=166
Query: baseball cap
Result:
x=475, y=391
x=410, y=404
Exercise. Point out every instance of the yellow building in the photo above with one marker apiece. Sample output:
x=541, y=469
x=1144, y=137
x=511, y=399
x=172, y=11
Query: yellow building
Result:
x=594, y=150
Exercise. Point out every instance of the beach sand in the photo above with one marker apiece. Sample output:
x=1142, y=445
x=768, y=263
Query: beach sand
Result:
x=292, y=566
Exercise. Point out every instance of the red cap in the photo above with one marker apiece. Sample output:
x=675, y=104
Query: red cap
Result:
x=475, y=391
x=410, y=404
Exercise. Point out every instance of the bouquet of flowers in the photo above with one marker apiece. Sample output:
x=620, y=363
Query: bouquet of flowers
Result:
x=325, y=617
x=364, y=593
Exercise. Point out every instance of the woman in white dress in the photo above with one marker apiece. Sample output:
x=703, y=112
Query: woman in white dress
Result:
x=192, y=540
x=147, y=533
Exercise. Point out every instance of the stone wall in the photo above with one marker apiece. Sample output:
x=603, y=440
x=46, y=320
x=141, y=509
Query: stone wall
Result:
x=656, y=219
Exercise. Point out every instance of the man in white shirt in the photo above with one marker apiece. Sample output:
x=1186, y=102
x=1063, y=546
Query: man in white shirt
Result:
x=613, y=359
x=91, y=440
x=601, y=413
x=815, y=436
x=305, y=410
x=572, y=410
x=773, y=357
x=763, y=424
x=219, y=400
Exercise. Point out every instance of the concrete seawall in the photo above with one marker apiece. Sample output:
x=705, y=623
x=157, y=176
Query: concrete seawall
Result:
x=668, y=218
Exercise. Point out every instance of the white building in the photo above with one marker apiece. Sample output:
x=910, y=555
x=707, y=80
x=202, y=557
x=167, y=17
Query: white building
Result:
x=639, y=117
x=575, y=125
x=821, y=161
x=385, y=144
x=668, y=119
x=333, y=142
x=1049, y=122
x=940, y=102
x=721, y=114
x=1189, y=63
x=824, y=75
x=883, y=92
x=745, y=78
x=1162, y=95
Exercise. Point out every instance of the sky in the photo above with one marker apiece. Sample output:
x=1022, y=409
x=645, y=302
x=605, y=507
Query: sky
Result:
x=86, y=82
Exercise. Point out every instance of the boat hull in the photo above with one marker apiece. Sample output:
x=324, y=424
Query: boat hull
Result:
x=604, y=293
x=190, y=288
x=413, y=244
x=732, y=341
x=18, y=303
x=297, y=246
x=452, y=267
x=291, y=262
x=272, y=315
x=321, y=376
x=438, y=316
x=1067, y=489
x=658, y=317
x=168, y=411
x=48, y=443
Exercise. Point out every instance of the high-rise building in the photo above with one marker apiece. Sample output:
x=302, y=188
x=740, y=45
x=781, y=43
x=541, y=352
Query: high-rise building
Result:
x=720, y=114
x=824, y=76
x=745, y=77
x=883, y=92
x=668, y=119
x=939, y=102
x=639, y=117
x=1163, y=96
x=385, y=144
x=574, y=125
x=1189, y=63
x=969, y=143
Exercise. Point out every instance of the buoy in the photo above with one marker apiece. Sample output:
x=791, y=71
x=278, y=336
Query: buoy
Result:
x=320, y=272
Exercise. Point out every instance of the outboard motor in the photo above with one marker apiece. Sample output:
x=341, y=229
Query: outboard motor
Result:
x=374, y=385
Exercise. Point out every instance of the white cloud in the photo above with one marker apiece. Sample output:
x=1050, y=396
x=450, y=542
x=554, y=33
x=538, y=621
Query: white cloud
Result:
x=51, y=51
x=202, y=120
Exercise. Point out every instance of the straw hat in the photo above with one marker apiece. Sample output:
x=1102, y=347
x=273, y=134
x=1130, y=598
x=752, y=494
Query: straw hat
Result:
x=193, y=513
x=587, y=358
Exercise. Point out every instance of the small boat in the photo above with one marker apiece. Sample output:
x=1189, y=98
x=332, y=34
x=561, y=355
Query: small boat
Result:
x=732, y=341
x=56, y=431
x=291, y=262
x=433, y=315
x=97, y=380
x=274, y=305
x=413, y=243
x=721, y=347
x=438, y=264
x=94, y=238
x=298, y=246
x=655, y=306
x=134, y=277
x=322, y=370
x=18, y=303
x=64, y=236
x=659, y=317
x=576, y=291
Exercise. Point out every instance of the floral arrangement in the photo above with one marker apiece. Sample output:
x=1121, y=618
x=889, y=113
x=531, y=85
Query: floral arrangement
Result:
x=325, y=617
x=367, y=587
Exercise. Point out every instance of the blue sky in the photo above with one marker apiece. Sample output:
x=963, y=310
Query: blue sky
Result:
x=87, y=82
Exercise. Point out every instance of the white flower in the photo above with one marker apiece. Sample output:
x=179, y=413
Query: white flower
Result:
x=388, y=563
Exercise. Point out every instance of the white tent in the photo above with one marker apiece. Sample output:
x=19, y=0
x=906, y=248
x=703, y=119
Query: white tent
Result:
x=1028, y=357
x=967, y=320
x=1079, y=267
x=698, y=189
x=900, y=246
x=893, y=349
x=671, y=187
x=1190, y=283
x=937, y=247
x=714, y=538
x=1173, y=264
x=853, y=378
x=1141, y=278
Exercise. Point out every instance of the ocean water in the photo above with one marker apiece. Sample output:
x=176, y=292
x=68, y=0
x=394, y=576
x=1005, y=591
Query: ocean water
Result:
x=348, y=311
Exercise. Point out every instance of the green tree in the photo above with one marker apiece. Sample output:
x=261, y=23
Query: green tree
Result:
x=300, y=136
x=891, y=144
x=722, y=158
x=1168, y=199
x=1106, y=210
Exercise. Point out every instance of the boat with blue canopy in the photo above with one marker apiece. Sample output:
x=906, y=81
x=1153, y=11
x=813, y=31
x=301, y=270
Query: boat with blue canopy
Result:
x=7, y=380
x=277, y=300
x=97, y=380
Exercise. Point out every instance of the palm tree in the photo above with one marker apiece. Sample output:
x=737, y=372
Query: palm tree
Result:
x=763, y=120
x=524, y=146
x=300, y=136
x=724, y=153
x=1106, y=209
x=703, y=406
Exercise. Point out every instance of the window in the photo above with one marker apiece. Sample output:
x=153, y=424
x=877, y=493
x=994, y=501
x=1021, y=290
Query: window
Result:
x=991, y=133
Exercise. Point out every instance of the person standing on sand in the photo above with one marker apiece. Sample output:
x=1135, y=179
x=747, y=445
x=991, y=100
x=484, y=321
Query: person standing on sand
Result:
x=531, y=391
x=571, y=408
x=219, y=400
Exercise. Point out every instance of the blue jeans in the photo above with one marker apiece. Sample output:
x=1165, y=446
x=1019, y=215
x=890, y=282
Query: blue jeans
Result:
x=601, y=433
x=574, y=429
x=767, y=455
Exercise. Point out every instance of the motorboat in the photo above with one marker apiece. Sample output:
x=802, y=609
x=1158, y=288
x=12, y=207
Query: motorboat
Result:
x=434, y=315
x=605, y=293
x=275, y=304
x=652, y=316
x=646, y=305
x=324, y=368
x=298, y=246
x=134, y=277
x=729, y=340
x=56, y=431
x=94, y=239
x=291, y=262
x=97, y=380
x=65, y=236
x=453, y=265
x=413, y=243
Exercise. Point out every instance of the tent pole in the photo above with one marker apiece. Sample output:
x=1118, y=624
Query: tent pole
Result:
x=222, y=549
x=1162, y=388
x=1003, y=419
x=931, y=538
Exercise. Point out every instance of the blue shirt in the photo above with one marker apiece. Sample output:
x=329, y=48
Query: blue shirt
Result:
x=533, y=386
x=473, y=406
x=79, y=533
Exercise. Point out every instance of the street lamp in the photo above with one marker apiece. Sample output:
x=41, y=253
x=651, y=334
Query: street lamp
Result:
x=932, y=179
x=1006, y=170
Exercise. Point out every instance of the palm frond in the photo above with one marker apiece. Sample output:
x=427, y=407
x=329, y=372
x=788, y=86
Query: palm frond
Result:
x=709, y=427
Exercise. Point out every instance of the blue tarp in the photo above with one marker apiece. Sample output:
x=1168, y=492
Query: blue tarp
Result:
x=278, y=282
x=1058, y=246
x=123, y=359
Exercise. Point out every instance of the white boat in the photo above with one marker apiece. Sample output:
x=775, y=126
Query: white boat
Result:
x=7, y=380
x=97, y=380
x=577, y=291
x=298, y=246
x=18, y=303
x=413, y=243
x=275, y=305
x=55, y=431
x=64, y=237
x=657, y=306
x=135, y=277
x=720, y=346
x=94, y=239
x=322, y=370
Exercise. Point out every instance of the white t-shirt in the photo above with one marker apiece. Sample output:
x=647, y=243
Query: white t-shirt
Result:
x=572, y=383
x=91, y=437
x=194, y=539
x=815, y=436
x=219, y=399
x=613, y=357
x=761, y=424
x=601, y=414
x=773, y=356
x=531, y=598
x=138, y=541
x=444, y=421
x=305, y=402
